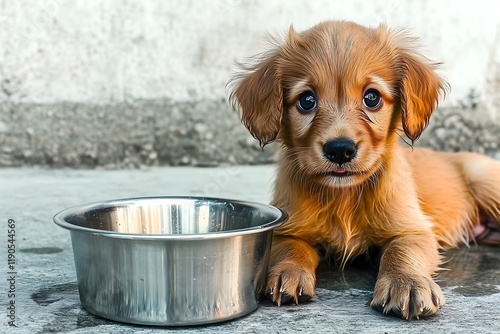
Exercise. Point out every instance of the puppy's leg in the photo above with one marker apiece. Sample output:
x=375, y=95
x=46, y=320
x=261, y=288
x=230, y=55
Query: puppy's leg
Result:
x=292, y=273
x=404, y=284
x=483, y=176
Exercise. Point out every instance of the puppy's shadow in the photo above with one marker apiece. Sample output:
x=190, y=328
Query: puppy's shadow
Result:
x=359, y=273
x=470, y=271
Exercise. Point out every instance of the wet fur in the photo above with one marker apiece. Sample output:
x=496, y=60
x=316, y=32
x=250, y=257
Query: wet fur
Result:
x=408, y=202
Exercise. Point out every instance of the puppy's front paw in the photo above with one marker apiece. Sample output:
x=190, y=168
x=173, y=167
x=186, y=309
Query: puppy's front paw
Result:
x=287, y=282
x=407, y=296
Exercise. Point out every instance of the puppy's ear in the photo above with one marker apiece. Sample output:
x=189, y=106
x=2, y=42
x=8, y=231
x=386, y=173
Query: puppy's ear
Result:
x=258, y=97
x=421, y=88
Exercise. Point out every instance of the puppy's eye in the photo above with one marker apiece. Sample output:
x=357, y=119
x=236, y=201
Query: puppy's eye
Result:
x=307, y=102
x=372, y=99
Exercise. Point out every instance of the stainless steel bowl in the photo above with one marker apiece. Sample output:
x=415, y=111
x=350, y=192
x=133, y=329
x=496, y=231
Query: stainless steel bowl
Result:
x=171, y=260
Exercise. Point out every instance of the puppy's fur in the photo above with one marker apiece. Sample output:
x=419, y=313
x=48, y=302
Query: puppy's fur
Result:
x=408, y=202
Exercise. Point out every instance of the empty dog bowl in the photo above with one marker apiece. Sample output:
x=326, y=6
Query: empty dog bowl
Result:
x=171, y=260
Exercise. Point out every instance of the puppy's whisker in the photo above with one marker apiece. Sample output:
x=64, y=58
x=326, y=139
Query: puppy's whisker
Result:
x=360, y=194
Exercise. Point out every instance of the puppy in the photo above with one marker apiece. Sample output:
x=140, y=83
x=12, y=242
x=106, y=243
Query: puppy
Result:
x=338, y=97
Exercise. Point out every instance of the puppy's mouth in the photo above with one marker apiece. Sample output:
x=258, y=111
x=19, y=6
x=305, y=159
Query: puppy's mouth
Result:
x=339, y=172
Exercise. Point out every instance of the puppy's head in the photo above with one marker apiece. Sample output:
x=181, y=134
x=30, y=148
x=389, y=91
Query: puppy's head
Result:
x=336, y=96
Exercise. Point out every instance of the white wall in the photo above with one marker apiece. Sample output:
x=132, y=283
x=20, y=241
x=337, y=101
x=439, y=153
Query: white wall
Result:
x=114, y=50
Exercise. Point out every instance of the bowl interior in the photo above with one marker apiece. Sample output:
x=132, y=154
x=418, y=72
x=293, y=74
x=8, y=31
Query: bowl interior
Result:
x=171, y=216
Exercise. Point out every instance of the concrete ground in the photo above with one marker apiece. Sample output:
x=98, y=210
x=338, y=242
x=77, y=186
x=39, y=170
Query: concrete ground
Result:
x=46, y=295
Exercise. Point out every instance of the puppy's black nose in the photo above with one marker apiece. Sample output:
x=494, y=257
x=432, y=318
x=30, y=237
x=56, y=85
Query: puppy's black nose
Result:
x=340, y=150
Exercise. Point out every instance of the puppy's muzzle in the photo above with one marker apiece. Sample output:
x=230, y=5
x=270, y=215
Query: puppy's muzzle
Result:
x=340, y=150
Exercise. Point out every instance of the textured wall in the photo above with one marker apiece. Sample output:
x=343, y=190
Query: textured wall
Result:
x=128, y=83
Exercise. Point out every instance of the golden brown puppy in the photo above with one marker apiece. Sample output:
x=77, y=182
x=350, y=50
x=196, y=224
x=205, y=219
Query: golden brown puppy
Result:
x=338, y=97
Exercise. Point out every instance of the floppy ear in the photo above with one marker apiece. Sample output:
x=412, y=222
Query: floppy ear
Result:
x=420, y=91
x=258, y=98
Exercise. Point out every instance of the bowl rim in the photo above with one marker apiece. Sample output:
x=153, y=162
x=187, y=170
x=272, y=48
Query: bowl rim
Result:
x=59, y=219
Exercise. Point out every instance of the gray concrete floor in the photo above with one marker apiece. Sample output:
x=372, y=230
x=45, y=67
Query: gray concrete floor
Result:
x=46, y=293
